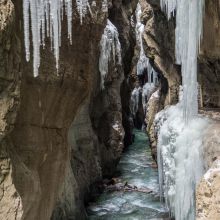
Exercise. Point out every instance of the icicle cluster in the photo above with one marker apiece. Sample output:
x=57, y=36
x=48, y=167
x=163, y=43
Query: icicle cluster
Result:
x=168, y=6
x=110, y=50
x=143, y=66
x=44, y=18
x=180, y=130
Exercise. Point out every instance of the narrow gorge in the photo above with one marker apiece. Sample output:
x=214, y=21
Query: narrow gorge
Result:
x=109, y=109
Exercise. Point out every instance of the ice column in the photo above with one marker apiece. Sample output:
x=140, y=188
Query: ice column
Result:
x=189, y=16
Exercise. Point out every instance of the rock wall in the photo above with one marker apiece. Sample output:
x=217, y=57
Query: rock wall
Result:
x=120, y=13
x=159, y=46
x=59, y=132
x=208, y=194
x=10, y=61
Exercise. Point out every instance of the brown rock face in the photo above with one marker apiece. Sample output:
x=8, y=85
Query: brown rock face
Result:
x=59, y=132
x=10, y=201
x=159, y=46
x=208, y=190
x=211, y=33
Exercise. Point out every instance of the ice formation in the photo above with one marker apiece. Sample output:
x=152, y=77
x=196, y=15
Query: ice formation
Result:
x=135, y=98
x=189, y=17
x=143, y=61
x=180, y=129
x=180, y=164
x=45, y=18
x=110, y=50
x=169, y=6
x=143, y=66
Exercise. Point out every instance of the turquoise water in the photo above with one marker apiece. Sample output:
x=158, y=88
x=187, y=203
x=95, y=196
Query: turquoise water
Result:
x=135, y=168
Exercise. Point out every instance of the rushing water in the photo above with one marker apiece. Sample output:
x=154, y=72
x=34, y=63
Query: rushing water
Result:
x=136, y=169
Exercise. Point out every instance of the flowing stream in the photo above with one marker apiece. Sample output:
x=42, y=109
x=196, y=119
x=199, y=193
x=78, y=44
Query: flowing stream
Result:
x=137, y=196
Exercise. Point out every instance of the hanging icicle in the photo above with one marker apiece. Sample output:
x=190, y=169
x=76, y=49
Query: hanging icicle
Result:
x=45, y=18
x=110, y=50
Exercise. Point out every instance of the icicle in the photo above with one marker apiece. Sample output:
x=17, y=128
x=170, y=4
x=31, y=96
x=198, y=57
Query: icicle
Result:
x=110, y=50
x=45, y=17
x=168, y=6
x=82, y=8
x=26, y=7
x=35, y=35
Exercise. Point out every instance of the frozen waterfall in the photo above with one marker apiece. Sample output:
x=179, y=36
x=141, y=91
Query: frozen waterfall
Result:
x=189, y=16
x=44, y=18
x=180, y=129
x=110, y=50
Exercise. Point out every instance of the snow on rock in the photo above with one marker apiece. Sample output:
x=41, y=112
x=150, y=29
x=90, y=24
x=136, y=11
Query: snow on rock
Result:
x=214, y=169
x=208, y=194
x=110, y=50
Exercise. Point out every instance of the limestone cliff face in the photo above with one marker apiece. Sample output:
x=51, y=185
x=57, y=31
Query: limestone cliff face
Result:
x=208, y=194
x=159, y=45
x=60, y=133
x=11, y=205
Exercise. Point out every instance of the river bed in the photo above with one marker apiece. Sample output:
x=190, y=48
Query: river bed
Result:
x=139, y=199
